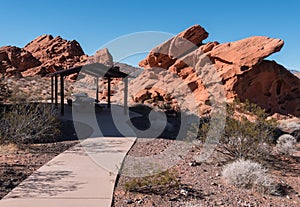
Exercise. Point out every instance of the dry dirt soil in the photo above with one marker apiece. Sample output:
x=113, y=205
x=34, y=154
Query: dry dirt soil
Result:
x=202, y=185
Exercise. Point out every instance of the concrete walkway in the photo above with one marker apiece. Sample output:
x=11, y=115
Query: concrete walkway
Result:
x=84, y=175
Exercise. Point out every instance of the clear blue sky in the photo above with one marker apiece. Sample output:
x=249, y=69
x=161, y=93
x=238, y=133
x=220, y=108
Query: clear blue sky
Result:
x=94, y=23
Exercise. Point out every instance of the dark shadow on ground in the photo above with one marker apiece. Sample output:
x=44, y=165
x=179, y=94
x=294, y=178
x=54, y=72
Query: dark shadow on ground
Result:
x=177, y=126
x=287, y=165
x=142, y=122
x=69, y=133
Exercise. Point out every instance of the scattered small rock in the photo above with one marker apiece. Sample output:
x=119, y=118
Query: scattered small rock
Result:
x=213, y=183
x=193, y=163
x=173, y=198
x=139, y=201
x=184, y=192
x=44, y=92
x=129, y=201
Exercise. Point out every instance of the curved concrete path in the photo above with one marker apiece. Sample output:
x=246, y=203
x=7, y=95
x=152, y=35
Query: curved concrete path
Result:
x=84, y=175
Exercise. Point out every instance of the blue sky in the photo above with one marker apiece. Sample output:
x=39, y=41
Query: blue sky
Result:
x=94, y=23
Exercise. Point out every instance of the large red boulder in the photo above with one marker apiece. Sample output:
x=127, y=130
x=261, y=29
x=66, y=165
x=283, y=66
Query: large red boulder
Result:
x=165, y=55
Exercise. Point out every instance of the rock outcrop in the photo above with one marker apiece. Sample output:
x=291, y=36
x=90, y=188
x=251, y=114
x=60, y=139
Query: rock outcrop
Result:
x=102, y=56
x=54, y=54
x=14, y=60
x=296, y=73
x=246, y=52
x=239, y=67
x=272, y=87
x=180, y=66
x=47, y=54
x=166, y=54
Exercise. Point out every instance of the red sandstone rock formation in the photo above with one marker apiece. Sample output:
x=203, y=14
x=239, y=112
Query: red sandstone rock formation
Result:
x=45, y=55
x=14, y=60
x=166, y=54
x=271, y=86
x=102, y=56
x=54, y=54
x=296, y=73
x=238, y=66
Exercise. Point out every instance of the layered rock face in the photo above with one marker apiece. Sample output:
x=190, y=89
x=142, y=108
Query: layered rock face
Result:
x=47, y=54
x=41, y=56
x=14, y=60
x=165, y=55
x=181, y=66
x=238, y=69
x=54, y=54
x=272, y=87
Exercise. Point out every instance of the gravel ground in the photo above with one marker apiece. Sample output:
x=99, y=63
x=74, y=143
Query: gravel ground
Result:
x=202, y=185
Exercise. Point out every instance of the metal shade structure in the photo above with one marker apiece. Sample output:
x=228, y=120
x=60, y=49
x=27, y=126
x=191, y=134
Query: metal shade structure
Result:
x=96, y=70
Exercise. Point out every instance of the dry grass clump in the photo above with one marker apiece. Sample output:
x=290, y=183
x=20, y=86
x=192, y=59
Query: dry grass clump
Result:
x=250, y=175
x=286, y=144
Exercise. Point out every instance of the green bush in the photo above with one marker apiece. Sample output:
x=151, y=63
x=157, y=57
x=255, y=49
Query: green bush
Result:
x=247, y=133
x=25, y=123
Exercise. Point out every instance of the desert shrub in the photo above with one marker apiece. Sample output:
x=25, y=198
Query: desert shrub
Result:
x=5, y=91
x=24, y=123
x=247, y=133
x=159, y=183
x=286, y=144
x=249, y=175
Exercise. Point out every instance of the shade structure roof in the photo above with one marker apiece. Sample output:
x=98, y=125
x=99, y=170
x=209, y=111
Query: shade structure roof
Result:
x=96, y=70
x=93, y=69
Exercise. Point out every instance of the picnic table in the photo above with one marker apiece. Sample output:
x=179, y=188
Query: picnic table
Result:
x=83, y=102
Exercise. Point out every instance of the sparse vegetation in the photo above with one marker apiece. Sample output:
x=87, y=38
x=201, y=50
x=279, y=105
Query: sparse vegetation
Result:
x=249, y=175
x=286, y=144
x=23, y=118
x=157, y=184
x=5, y=92
x=24, y=123
x=247, y=133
